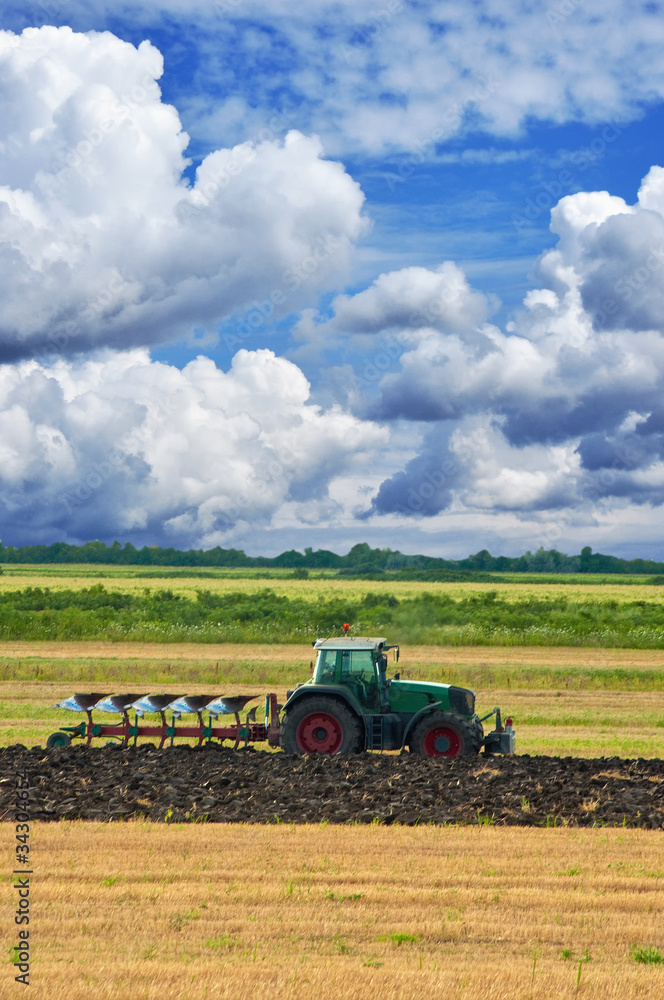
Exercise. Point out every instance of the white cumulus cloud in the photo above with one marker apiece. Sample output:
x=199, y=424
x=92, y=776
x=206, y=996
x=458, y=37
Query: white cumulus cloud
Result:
x=102, y=240
x=119, y=445
x=412, y=297
x=565, y=405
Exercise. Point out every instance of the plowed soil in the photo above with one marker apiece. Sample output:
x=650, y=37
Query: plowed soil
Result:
x=219, y=785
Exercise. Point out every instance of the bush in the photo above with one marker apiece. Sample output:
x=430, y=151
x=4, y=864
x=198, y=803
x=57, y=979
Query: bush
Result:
x=484, y=619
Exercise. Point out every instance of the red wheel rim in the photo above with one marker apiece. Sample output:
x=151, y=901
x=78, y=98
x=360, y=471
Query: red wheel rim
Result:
x=441, y=741
x=319, y=732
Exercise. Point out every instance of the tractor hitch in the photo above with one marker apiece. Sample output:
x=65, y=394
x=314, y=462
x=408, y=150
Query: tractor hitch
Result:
x=502, y=739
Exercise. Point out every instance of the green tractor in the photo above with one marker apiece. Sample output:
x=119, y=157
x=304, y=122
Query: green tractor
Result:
x=350, y=705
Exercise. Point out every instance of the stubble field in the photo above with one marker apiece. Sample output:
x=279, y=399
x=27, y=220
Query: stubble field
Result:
x=228, y=911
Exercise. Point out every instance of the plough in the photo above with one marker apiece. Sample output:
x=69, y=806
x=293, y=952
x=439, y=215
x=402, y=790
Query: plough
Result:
x=126, y=731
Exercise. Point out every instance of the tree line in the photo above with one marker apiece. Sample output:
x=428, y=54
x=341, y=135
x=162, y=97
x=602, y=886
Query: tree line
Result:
x=362, y=560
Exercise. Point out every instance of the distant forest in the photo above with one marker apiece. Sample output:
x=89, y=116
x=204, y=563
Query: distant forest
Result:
x=362, y=560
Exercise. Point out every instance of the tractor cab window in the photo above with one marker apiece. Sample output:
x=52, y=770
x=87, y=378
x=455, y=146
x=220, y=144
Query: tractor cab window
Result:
x=354, y=668
x=326, y=664
x=359, y=673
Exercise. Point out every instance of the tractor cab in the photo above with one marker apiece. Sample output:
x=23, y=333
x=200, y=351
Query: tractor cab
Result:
x=358, y=666
x=349, y=705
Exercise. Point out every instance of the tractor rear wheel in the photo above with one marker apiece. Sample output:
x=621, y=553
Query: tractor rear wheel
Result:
x=321, y=725
x=442, y=734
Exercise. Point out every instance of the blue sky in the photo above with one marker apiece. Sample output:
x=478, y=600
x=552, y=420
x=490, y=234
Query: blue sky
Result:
x=277, y=276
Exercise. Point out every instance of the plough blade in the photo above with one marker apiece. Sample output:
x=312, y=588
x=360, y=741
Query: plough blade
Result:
x=154, y=702
x=81, y=702
x=119, y=703
x=190, y=704
x=229, y=706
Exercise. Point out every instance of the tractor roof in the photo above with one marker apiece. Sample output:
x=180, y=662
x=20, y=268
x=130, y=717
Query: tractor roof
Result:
x=349, y=642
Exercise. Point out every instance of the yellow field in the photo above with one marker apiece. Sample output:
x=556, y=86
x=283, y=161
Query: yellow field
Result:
x=153, y=912
x=127, y=580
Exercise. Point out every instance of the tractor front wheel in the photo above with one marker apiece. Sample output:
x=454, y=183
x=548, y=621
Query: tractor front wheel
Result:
x=442, y=734
x=320, y=725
